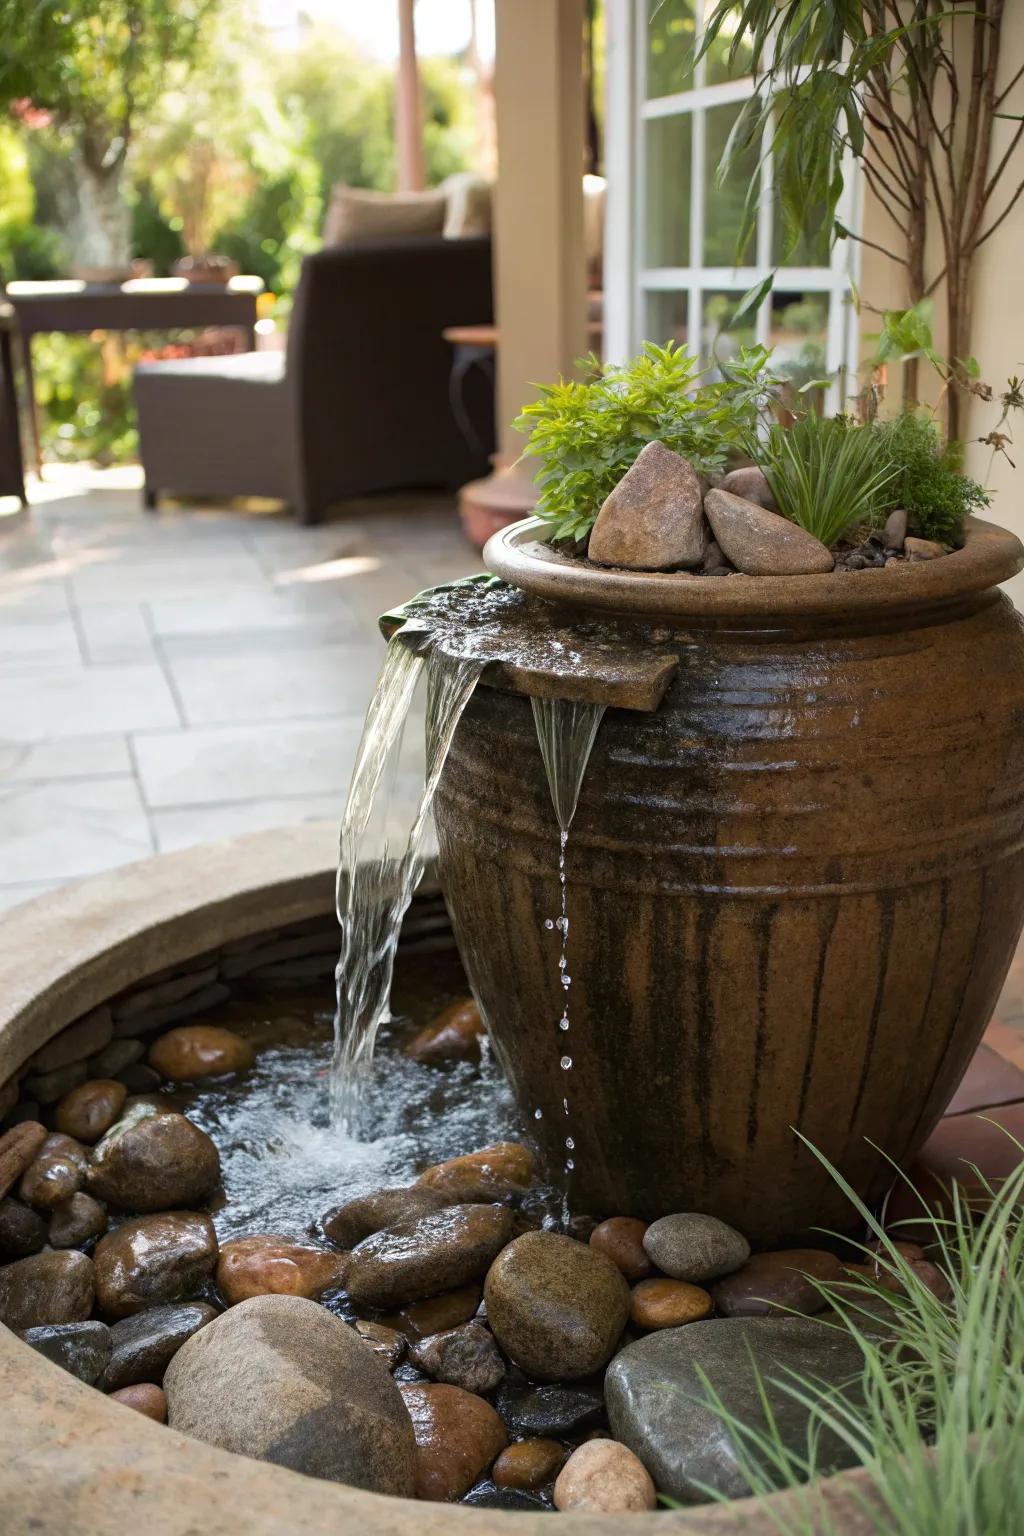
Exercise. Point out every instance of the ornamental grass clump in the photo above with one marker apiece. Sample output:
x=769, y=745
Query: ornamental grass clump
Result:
x=828, y=476
x=588, y=432
x=936, y=1419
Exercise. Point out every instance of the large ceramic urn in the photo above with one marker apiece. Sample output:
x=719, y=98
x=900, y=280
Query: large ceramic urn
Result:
x=794, y=886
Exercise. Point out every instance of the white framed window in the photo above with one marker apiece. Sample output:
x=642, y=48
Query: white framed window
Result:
x=671, y=268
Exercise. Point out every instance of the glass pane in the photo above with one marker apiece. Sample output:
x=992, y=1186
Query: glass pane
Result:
x=719, y=337
x=724, y=205
x=716, y=63
x=667, y=191
x=799, y=334
x=671, y=34
x=665, y=318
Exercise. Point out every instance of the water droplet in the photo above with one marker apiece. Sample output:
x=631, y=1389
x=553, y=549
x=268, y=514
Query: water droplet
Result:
x=563, y=1022
x=538, y=1114
x=566, y=980
x=549, y=922
x=565, y=1105
x=569, y=1165
x=565, y=1064
x=570, y=1144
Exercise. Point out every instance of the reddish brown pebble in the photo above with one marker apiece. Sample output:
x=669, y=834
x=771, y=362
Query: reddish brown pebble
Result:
x=668, y=1304
x=270, y=1264
x=199, y=1050
x=91, y=1109
x=490, y=1174
x=18, y=1147
x=458, y=1435
x=422, y=1318
x=621, y=1239
x=528, y=1464
x=145, y=1398
x=453, y=1036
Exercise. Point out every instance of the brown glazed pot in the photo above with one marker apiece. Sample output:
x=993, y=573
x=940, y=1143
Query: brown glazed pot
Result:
x=794, y=890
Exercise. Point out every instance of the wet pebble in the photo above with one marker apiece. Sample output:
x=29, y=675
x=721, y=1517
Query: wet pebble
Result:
x=22, y=1230
x=438, y=1252
x=91, y=1109
x=694, y=1247
x=388, y=1343
x=923, y=549
x=528, y=1464
x=145, y=1398
x=269, y=1264
x=458, y=1435
x=543, y=1410
x=348, y=1224
x=557, y=1307
x=668, y=1304
x=463, y=1357
x=453, y=1036
x=79, y=1040
x=48, y=1087
x=153, y=1259
x=778, y=1281
x=55, y=1173
x=82, y=1348
x=437, y=1313
x=603, y=1477
x=18, y=1148
x=143, y=1345
x=49, y=1287
x=492, y=1173
x=488, y=1495
x=76, y=1221
x=196, y=1051
x=154, y=1162
x=621, y=1239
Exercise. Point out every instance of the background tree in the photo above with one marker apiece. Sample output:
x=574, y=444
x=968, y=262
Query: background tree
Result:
x=96, y=67
x=914, y=90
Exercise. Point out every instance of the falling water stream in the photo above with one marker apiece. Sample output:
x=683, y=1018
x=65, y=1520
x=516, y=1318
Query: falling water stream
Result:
x=382, y=852
x=566, y=732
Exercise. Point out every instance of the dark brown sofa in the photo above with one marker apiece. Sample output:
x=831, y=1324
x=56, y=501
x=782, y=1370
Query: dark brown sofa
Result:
x=359, y=401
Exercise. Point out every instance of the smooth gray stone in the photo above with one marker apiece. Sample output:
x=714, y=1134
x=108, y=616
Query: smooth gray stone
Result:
x=81, y=1348
x=658, y=1405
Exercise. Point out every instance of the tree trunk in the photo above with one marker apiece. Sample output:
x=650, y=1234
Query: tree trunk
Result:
x=99, y=224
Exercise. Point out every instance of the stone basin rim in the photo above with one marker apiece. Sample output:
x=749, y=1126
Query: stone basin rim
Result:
x=76, y=1463
x=521, y=555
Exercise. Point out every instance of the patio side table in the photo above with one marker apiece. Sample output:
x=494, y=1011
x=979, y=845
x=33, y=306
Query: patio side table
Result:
x=12, y=477
x=140, y=304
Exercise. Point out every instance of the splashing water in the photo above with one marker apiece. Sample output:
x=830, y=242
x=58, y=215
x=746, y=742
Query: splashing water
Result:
x=382, y=853
x=566, y=733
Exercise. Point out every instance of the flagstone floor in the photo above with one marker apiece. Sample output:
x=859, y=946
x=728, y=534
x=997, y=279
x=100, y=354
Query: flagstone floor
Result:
x=167, y=679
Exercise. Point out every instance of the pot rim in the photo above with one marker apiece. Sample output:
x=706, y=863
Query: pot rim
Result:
x=521, y=555
x=76, y=1463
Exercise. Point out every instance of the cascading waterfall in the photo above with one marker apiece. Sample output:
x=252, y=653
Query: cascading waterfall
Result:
x=566, y=732
x=381, y=860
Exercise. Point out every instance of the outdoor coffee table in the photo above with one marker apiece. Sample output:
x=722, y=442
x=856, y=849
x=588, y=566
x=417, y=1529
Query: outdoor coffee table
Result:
x=140, y=304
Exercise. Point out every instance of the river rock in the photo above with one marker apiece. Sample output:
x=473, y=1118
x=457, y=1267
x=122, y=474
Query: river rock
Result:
x=153, y=1162
x=668, y=1303
x=348, y=1224
x=923, y=549
x=492, y=1173
x=777, y=1281
x=557, y=1307
x=282, y=1379
x=761, y=543
x=388, y=1343
x=91, y=1109
x=18, y=1148
x=453, y=1036
x=438, y=1313
x=487, y=1495
x=22, y=1230
x=603, y=1477
x=658, y=1405
x=458, y=1435
x=750, y=484
x=83, y=1349
x=463, y=1357
x=694, y=1247
x=76, y=1221
x=895, y=531
x=540, y=1409
x=528, y=1464
x=621, y=1239
x=48, y=1087
x=80, y=1040
x=653, y=519
x=152, y=1260
x=50, y=1287
x=142, y=1346
x=145, y=1398
x=55, y=1173
x=196, y=1051
x=269, y=1264
x=421, y=1258
x=115, y=1057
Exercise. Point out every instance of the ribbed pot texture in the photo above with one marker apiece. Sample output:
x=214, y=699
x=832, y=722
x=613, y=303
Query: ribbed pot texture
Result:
x=794, y=892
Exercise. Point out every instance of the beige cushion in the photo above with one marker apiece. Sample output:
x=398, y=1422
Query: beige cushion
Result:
x=356, y=215
x=469, y=205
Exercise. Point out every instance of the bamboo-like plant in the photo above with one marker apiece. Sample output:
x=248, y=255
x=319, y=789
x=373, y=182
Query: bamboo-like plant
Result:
x=825, y=475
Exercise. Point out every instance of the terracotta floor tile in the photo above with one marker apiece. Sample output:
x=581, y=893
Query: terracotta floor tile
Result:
x=990, y=1079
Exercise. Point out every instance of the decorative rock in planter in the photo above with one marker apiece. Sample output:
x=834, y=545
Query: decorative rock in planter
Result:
x=556, y=1306
x=761, y=543
x=923, y=549
x=653, y=520
x=149, y=1162
x=750, y=484
x=280, y=1378
x=458, y=1435
x=152, y=1260
x=273, y=1265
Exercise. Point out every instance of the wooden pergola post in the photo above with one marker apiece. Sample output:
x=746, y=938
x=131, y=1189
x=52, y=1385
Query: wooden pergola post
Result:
x=408, y=109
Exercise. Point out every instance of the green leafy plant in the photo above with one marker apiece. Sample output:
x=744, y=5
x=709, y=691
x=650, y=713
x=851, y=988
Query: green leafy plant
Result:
x=587, y=432
x=928, y=479
x=937, y=1419
x=825, y=475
